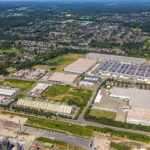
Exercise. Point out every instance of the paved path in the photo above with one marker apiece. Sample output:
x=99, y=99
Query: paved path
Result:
x=69, y=139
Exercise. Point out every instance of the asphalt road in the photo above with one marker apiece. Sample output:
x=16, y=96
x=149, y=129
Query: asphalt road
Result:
x=69, y=139
x=81, y=118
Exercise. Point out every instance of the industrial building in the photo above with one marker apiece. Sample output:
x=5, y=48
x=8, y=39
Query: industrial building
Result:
x=123, y=70
x=93, y=79
x=106, y=57
x=63, y=78
x=8, y=91
x=61, y=109
x=80, y=66
x=98, y=97
x=28, y=74
x=136, y=97
x=138, y=115
x=86, y=84
x=39, y=89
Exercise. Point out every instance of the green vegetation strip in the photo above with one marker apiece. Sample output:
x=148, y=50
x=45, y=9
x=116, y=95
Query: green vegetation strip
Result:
x=78, y=130
x=100, y=113
x=119, y=147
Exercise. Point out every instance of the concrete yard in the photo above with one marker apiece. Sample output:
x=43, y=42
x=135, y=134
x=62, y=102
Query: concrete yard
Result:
x=137, y=97
x=139, y=115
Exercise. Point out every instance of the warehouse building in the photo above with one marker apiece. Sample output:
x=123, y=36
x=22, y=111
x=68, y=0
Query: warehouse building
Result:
x=86, y=84
x=39, y=89
x=139, y=101
x=136, y=97
x=61, y=109
x=138, y=115
x=8, y=91
x=80, y=66
x=96, y=56
x=63, y=78
x=93, y=79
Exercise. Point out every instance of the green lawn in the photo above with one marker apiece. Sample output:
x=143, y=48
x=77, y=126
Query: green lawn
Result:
x=103, y=114
x=61, y=61
x=71, y=95
x=16, y=51
x=25, y=86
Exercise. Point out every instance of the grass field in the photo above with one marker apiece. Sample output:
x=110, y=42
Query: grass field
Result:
x=25, y=86
x=71, y=95
x=16, y=51
x=61, y=61
x=58, y=144
x=103, y=114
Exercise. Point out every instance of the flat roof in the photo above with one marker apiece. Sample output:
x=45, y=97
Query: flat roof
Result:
x=97, y=56
x=62, y=77
x=2, y=97
x=139, y=114
x=7, y=92
x=40, y=87
x=81, y=65
x=137, y=97
x=45, y=106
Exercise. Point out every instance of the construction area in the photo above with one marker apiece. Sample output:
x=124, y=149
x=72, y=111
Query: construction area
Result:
x=39, y=89
x=80, y=66
x=61, y=109
x=11, y=137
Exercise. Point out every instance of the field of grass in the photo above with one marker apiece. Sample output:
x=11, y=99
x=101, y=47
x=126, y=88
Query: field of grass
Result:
x=16, y=51
x=71, y=95
x=58, y=144
x=103, y=114
x=61, y=61
x=25, y=86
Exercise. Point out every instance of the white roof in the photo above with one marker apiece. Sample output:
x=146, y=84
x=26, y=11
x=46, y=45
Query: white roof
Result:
x=7, y=92
x=62, y=77
x=40, y=87
x=137, y=97
x=98, y=97
x=81, y=65
x=45, y=106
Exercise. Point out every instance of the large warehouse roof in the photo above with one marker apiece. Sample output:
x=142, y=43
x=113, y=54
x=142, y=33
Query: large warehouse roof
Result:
x=80, y=66
x=137, y=97
x=139, y=115
x=62, y=77
x=45, y=106
x=96, y=56
x=40, y=88
x=7, y=91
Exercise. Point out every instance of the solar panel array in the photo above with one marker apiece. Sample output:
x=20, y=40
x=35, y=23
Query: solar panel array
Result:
x=45, y=106
x=130, y=70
